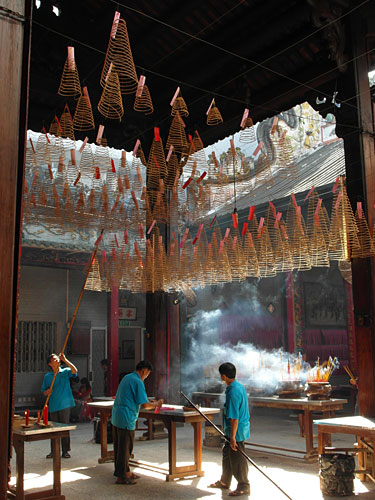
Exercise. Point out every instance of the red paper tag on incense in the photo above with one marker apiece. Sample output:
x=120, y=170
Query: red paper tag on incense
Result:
x=244, y=118
x=113, y=166
x=187, y=183
x=213, y=220
x=261, y=222
x=175, y=96
x=171, y=147
x=77, y=180
x=278, y=217
x=184, y=237
x=244, y=228
x=233, y=149
x=100, y=132
x=235, y=220
x=113, y=253
x=136, y=146
x=151, y=227
x=251, y=213
x=318, y=205
x=274, y=123
x=294, y=199
x=227, y=231
x=258, y=148
x=359, y=209
x=104, y=256
x=141, y=83
x=97, y=173
x=201, y=177
x=273, y=208
x=83, y=144
x=250, y=238
x=335, y=186
x=99, y=239
x=126, y=236
x=308, y=194
x=141, y=232
x=116, y=241
x=157, y=134
x=210, y=106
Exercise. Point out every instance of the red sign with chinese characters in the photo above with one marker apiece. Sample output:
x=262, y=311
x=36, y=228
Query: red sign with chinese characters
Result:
x=129, y=313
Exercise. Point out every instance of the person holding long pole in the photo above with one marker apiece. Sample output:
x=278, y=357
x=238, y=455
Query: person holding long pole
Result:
x=60, y=398
x=237, y=430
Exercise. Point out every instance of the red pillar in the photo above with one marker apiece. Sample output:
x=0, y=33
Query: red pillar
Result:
x=112, y=340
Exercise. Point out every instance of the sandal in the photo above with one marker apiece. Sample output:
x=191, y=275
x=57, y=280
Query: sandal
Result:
x=125, y=480
x=135, y=476
x=239, y=493
x=220, y=485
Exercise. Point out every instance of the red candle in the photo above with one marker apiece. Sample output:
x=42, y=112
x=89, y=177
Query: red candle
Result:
x=45, y=415
x=27, y=414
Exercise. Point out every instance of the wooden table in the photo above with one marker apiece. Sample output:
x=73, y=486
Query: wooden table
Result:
x=363, y=428
x=170, y=418
x=55, y=432
x=328, y=407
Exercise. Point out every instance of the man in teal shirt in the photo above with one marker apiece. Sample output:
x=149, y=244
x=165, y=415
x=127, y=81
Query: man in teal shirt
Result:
x=61, y=397
x=130, y=396
x=237, y=430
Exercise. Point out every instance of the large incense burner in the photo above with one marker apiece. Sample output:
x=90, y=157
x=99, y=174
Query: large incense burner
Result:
x=289, y=389
x=318, y=390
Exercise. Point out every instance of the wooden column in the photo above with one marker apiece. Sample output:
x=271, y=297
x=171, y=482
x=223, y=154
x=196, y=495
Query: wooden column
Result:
x=112, y=340
x=14, y=71
x=363, y=269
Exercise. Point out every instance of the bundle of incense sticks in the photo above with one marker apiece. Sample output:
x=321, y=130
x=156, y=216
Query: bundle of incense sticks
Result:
x=349, y=372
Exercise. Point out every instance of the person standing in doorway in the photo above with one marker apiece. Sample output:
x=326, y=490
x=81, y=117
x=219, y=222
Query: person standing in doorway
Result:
x=237, y=430
x=61, y=398
x=130, y=396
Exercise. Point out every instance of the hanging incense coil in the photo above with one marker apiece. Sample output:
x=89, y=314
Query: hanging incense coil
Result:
x=284, y=155
x=119, y=54
x=279, y=242
x=179, y=106
x=247, y=134
x=214, y=116
x=43, y=150
x=236, y=258
x=296, y=230
x=83, y=118
x=343, y=232
x=156, y=165
x=110, y=103
x=317, y=229
x=54, y=128
x=69, y=84
x=265, y=256
x=143, y=102
x=173, y=171
x=177, y=136
x=263, y=172
x=367, y=248
x=66, y=124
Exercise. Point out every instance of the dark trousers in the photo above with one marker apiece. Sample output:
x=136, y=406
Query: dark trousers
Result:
x=235, y=464
x=61, y=416
x=123, y=443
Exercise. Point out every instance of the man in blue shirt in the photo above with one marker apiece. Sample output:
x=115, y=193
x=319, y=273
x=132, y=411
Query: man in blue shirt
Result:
x=61, y=397
x=237, y=430
x=130, y=396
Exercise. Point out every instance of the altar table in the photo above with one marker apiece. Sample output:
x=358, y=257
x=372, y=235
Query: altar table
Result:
x=170, y=418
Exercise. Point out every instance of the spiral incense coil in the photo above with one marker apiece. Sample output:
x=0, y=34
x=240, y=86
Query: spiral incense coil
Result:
x=156, y=165
x=119, y=54
x=86, y=162
x=236, y=258
x=214, y=116
x=250, y=257
x=317, y=228
x=274, y=233
x=110, y=103
x=266, y=260
x=57, y=150
x=366, y=244
x=247, y=134
x=343, y=232
x=66, y=124
x=54, y=128
x=69, y=84
x=295, y=228
x=177, y=136
x=179, y=106
x=284, y=157
x=173, y=171
x=43, y=150
x=263, y=172
x=143, y=103
x=83, y=117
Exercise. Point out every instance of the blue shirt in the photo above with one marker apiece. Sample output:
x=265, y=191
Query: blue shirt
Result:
x=61, y=396
x=131, y=394
x=236, y=407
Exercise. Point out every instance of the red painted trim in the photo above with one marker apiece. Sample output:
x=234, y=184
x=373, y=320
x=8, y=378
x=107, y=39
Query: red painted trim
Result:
x=290, y=312
x=351, y=327
x=113, y=343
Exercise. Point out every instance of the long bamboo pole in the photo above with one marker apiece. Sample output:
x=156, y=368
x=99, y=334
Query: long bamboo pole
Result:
x=75, y=311
x=228, y=440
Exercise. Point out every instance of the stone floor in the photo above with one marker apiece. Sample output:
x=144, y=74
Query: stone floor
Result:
x=84, y=479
